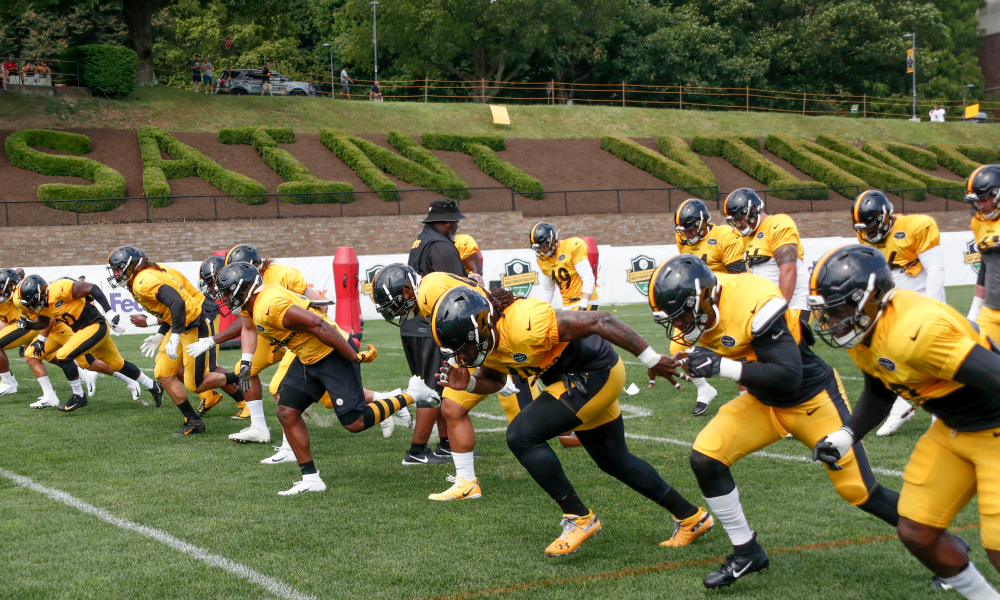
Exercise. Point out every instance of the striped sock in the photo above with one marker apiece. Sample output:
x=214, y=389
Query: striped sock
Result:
x=381, y=409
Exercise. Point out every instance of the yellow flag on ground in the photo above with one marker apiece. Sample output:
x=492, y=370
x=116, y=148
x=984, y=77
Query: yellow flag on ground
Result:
x=500, y=116
x=971, y=111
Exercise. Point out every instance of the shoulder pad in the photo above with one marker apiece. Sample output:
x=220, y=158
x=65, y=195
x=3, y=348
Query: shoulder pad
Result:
x=766, y=315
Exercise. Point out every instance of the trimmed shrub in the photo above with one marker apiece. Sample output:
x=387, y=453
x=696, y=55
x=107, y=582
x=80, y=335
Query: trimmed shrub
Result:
x=298, y=179
x=883, y=151
x=677, y=165
x=977, y=153
x=409, y=171
x=344, y=147
x=188, y=162
x=911, y=154
x=106, y=70
x=456, y=143
x=409, y=148
x=875, y=172
x=806, y=157
x=743, y=152
x=108, y=183
x=962, y=159
x=504, y=172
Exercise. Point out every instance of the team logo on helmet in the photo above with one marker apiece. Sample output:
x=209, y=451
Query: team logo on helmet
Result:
x=886, y=364
x=366, y=285
x=642, y=269
x=728, y=341
x=518, y=277
x=972, y=256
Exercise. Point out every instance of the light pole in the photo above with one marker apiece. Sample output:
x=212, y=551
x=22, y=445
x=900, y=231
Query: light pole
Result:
x=375, y=35
x=913, y=69
x=964, y=89
x=333, y=87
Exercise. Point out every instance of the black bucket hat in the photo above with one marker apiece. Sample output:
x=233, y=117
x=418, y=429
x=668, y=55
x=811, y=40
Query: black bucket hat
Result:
x=443, y=210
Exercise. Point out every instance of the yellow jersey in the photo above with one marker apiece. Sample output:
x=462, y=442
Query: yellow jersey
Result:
x=722, y=246
x=289, y=278
x=63, y=307
x=434, y=285
x=269, y=309
x=9, y=311
x=467, y=246
x=561, y=269
x=145, y=285
x=910, y=236
x=772, y=233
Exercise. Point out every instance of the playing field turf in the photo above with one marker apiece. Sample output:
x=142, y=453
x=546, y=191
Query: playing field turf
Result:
x=374, y=534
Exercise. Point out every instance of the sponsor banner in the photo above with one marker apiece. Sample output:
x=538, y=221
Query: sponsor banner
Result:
x=622, y=277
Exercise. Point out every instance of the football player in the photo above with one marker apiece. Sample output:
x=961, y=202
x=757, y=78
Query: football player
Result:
x=564, y=264
x=721, y=247
x=912, y=246
x=746, y=318
x=325, y=364
x=67, y=301
x=399, y=294
x=468, y=250
x=983, y=195
x=915, y=346
x=571, y=353
x=11, y=336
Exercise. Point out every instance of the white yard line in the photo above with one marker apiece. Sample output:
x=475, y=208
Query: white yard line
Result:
x=272, y=585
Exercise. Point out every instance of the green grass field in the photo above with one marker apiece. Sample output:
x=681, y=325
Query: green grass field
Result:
x=373, y=533
x=182, y=110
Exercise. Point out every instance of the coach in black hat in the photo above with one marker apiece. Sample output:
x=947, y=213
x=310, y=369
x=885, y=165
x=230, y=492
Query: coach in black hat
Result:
x=433, y=251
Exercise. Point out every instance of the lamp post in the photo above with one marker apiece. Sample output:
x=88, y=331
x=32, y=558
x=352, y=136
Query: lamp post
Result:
x=964, y=89
x=333, y=86
x=913, y=69
x=375, y=35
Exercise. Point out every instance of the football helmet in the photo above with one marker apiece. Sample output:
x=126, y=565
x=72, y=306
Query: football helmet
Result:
x=872, y=216
x=683, y=296
x=244, y=253
x=394, y=292
x=123, y=262
x=544, y=239
x=984, y=183
x=234, y=285
x=462, y=324
x=208, y=271
x=8, y=283
x=34, y=294
x=848, y=291
x=692, y=217
x=742, y=209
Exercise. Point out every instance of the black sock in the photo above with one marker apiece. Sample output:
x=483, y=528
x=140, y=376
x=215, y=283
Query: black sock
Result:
x=677, y=504
x=416, y=448
x=187, y=411
x=232, y=378
x=445, y=444
x=237, y=395
x=882, y=504
x=748, y=547
x=307, y=468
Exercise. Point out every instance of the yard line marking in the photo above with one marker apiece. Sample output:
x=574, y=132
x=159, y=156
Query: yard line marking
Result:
x=274, y=586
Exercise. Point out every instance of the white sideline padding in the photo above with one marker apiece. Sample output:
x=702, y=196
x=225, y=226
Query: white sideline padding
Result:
x=272, y=585
x=619, y=277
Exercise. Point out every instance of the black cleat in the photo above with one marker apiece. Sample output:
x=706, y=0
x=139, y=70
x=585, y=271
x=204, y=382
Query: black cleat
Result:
x=20, y=351
x=195, y=426
x=157, y=393
x=699, y=408
x=737, y=565
x=424, y=458
x=73, y=403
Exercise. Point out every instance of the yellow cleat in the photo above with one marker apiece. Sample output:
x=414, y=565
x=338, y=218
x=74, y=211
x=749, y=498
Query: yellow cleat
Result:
x=689, y=529
x=206, y=405
x=576, y=531
x=461, y=490
x=242, y=412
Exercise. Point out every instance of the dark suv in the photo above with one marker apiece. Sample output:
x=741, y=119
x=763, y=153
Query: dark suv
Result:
x=243, y=82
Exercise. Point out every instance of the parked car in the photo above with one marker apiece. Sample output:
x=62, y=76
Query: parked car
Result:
x=243, y=82
x=981, y=117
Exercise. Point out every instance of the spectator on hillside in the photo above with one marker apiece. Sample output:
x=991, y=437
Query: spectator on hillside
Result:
x=933, y=114
x=29, y=72
x=941, y=113
x=265, y=79
x=207, y=71
x=3, y=78
x=345, y=82
x=196, y=71
x=375, y=94
x=11, y=71
x=44, y=73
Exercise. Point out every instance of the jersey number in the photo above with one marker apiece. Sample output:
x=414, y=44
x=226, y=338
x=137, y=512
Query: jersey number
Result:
x=562, y=277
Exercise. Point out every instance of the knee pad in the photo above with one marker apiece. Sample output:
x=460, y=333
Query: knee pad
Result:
x=714, y=477
x=705, y=466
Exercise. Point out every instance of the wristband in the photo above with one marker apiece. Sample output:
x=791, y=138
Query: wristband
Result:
x=472, y=384
x=977, y=304
x=41, y=338
x=151, y=321
x=247, y=356
x=730, y=369
x=649, y=357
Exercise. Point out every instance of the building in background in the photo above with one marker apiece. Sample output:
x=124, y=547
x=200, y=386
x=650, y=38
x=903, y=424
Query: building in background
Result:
x=989, y=52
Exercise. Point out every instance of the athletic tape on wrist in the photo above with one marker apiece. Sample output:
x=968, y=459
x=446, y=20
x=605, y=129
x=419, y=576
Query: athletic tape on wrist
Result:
x=649, y=357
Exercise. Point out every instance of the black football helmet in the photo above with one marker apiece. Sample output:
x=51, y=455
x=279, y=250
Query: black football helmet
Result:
x=692, y=216
x=8, y=283
x=683, y=296
x=848, y=291
x=742, y=207
x=244, y=253
x=234, y=285
x=394, y=292
x=984, y=183
x=544, y=240
x=208, y=271
x=872, y=214
x=123, y=263
x=462, y=324
x=34, y=294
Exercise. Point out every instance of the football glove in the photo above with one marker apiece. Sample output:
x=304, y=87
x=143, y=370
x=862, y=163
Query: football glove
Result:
x=38, y=346
x=368, y=355
x=833, y=447
x=508, y=389
x=702, y=362
x=172, y=343
x=200, y=347
x=22, y=322
x=115, y=322
x=244, y=374
x=151, y=345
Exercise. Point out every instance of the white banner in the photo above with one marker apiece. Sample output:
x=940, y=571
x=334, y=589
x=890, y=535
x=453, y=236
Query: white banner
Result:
x=621, y=278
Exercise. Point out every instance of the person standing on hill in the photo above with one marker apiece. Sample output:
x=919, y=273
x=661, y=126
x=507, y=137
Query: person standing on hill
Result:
x=196, y=71
x=265, y=79
x=345, y=82
x=207, y=71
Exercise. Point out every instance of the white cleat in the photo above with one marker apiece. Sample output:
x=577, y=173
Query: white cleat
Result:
x=7, y=389
x=135, y=390
x=423, y=396
x=387, y=427
x=43, y=402
x=252, y=434
x=282, y=454
x=90, y=380
x=309, y=483
x=901, y=413
x=402, y=418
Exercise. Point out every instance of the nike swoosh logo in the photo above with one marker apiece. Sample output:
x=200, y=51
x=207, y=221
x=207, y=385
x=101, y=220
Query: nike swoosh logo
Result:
x=996, y=434
x=418, y=459
x=468, y=492
x=704, y=364
x=775, y=336
x=738, y=574
x=914, y=336
x=268, y=311
x=810, y=412
x=528, y=328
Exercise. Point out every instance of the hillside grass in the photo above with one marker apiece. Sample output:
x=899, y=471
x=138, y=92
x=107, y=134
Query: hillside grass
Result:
x=182, y=110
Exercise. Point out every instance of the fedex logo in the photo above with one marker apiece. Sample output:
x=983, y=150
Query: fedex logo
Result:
x=122, y=303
